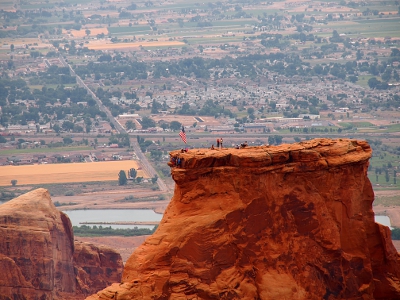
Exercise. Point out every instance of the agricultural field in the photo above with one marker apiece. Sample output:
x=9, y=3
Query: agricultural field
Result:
x=121, y=46
x=64, y=173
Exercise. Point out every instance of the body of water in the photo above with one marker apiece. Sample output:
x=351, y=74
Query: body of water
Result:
x=130, y=215
x=113, y=215
x=384, y=220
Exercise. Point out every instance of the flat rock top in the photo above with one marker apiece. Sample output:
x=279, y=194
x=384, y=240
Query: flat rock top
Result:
x=326, y=152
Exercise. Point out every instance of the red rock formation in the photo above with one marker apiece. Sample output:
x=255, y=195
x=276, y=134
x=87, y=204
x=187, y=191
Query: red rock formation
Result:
x=95, y=267
x=287, y=222
x=37, y=253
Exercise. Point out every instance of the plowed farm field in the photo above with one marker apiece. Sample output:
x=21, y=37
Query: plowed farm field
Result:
x=63, y=173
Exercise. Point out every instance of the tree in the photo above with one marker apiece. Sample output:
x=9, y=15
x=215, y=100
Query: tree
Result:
x=155, y=107
x=122, y=180
x=271, y=140
x=353, y=78
x=67, y=140
x=250, y=110
x=154, y=179
x=14, y=182
x=56, y=128
x=156, y=154
x=278, y=139
x=132, y=173
x=147, y=123
x=68, y=126
x=87, y=31
x=130, y=125
x=175, y=125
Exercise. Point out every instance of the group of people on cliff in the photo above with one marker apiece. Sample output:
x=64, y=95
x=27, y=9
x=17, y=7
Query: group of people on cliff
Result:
x=220, y=141
x=177, y=160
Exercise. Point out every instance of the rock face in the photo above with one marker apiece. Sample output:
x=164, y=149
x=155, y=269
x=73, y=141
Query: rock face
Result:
x=286, y=222
x=96, y=267
x=37, y=258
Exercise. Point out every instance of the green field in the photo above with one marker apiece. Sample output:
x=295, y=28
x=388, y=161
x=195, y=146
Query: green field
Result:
x=384, y=160
x=127, y=29
x=363, y=80
x=356, y=124
x=393, y=128
x=42, y=150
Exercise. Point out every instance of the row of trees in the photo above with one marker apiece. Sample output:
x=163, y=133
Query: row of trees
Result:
x=118, y=68
x=123, y=179
x=85, y=230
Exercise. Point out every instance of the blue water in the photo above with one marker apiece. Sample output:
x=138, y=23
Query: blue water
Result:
x=113, y=215
x=384, y=220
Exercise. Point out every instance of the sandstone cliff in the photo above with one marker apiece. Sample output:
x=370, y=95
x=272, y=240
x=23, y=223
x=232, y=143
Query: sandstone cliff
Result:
x=37, y=257
x=286, y=222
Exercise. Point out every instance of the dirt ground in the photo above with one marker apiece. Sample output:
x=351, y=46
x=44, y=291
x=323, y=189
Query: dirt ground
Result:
x=112, y=200
x=124, y=245
x=393, y=212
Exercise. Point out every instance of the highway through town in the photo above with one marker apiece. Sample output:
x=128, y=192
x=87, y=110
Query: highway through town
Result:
x=148, y=168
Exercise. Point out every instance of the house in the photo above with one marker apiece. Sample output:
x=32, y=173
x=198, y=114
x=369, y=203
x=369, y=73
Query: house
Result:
x=255, y=127
x=222, y=129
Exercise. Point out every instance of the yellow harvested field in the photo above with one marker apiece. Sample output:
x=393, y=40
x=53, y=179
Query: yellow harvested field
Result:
x=111, y=46
x=63, y=173
x=82, y=32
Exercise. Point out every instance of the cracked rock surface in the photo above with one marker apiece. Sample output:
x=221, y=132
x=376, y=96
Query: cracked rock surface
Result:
x=293, y=221
x=39, y=258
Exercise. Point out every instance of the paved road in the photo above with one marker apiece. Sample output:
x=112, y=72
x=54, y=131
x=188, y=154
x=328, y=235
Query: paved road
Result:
x=148, y=168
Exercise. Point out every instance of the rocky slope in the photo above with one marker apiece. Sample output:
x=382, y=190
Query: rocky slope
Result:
x=38, y=257
x=286, y=222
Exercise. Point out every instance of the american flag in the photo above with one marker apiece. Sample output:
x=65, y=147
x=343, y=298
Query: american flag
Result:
x=182, y=134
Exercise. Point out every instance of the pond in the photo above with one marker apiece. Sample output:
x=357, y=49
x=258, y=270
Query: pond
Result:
x=131, y=215
x=384, y=220
x=113, y=215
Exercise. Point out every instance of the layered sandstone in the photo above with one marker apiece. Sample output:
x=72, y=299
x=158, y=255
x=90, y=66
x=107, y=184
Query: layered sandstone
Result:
x=38, y=258
x=286, y=222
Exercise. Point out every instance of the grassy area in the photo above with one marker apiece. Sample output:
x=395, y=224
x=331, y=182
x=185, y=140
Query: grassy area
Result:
x=384, y=160
x=127, y=29
x=356, y=124
x=387, y=200
x=49, y=86
x=37, y=6
x=376, y=27
x=218, y=40
x=392, y=128
x=363, y=80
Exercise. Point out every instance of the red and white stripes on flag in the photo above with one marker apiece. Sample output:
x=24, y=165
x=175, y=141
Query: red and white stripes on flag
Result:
x=182, y=134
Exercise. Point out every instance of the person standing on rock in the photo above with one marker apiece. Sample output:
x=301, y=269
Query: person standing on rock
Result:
x=220, y=142
x=217, y=143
